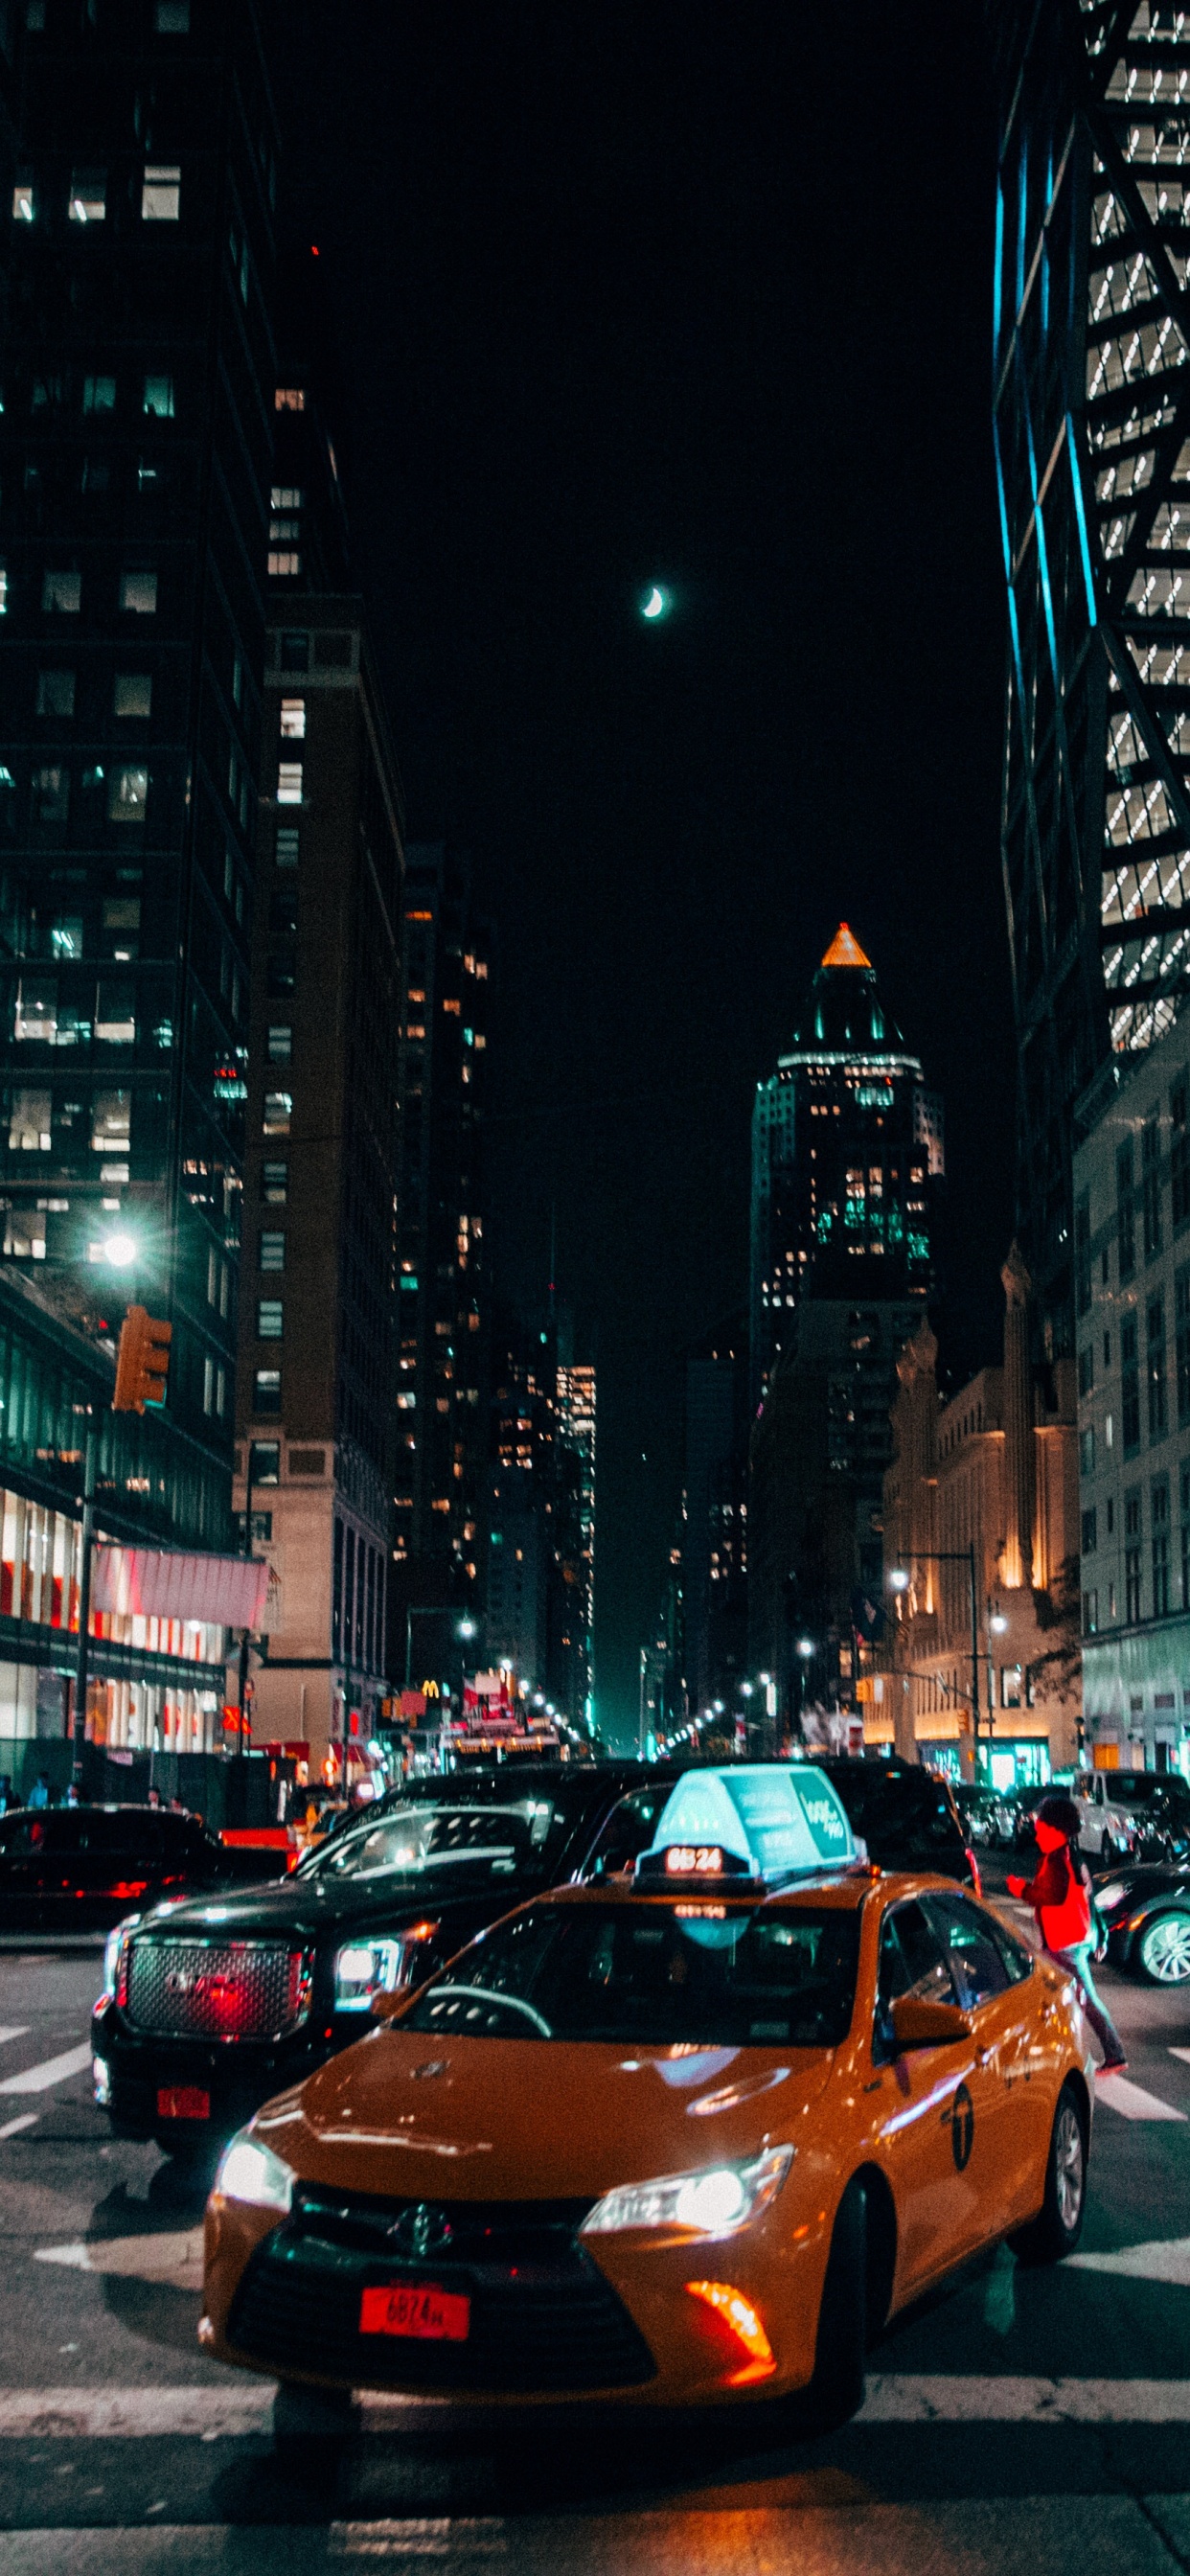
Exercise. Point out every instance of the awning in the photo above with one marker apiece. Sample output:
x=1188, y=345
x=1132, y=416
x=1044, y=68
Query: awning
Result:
x=150, y=1583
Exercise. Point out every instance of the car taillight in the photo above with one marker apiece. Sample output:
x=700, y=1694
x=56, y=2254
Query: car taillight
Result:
x=973, y=1866
x=122, y=1973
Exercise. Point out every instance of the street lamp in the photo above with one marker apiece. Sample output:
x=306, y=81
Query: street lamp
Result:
x=805, y=1647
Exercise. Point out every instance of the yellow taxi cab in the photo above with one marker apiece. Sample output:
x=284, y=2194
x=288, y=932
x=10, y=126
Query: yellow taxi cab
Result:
x=684, y=2138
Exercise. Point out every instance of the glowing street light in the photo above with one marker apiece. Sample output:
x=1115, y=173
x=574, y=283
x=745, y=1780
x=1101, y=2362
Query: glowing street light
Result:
x=120, y=1250
x=898, y=1579
x=805, y=1646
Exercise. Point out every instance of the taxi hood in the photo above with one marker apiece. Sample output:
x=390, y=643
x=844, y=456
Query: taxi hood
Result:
x=405, y=2115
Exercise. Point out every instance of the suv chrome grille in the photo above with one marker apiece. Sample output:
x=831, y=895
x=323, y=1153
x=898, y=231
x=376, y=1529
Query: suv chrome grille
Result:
x=233, y=1990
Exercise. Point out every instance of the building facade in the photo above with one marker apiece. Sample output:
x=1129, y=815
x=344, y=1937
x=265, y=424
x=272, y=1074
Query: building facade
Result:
x=317, y=1371
x=847, y=1161
x=981, y=1668
x=715, y=1514
x=1132, y=1317
x=134, y=471
x=572, y=1673
x=1092, y=434
x=442, y=1464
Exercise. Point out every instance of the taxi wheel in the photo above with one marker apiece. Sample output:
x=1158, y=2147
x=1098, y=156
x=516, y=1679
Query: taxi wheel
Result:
x=837, y=2389
x=1059, y=2223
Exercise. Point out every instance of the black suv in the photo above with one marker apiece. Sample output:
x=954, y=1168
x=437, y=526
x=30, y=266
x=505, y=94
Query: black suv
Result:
x=906, y=1817
x=210, y=2006
x=76, y=1869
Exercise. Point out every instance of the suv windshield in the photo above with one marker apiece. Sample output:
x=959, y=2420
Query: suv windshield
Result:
x=657, y=1975
x=416, y=1837
x=1146, y=1789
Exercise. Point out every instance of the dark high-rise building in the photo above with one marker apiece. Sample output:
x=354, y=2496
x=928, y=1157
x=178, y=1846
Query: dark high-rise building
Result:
x=715, y=1508
x=572, y=1673
x=135, y=456
x=846, y=1152
x=442, y=1420
x=1092, y=433
x=847, y=1165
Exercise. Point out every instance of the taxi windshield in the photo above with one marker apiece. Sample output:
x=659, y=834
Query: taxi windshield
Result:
x=659, y=1975
x=420, y=1836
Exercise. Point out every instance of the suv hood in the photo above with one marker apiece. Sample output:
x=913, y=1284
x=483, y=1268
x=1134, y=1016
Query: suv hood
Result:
x=310, y=1906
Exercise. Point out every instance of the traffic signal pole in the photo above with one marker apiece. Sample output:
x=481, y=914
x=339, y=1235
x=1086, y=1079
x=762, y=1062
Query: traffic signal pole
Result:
x=81, y=1662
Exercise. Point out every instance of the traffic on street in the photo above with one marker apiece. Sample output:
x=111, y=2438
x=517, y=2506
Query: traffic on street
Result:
x=1025, y=2405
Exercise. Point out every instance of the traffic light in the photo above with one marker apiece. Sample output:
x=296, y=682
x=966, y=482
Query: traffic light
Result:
x=143, y=1362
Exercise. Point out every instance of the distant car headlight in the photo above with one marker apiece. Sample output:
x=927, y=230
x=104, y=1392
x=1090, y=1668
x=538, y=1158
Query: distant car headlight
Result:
x=1107, y=1898
x=251, y=2172
x=111, y=1951
x=711, y=2203
x=364, y=1969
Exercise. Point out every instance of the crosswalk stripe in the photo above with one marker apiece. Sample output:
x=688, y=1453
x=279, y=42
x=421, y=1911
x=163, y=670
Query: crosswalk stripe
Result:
x=1166, y=2258
x=229, y=2412
x=13, y=2030
x=173, y=2258
x=1131, y=2100
x=23, y=2120
x=53, y=2070
x=1183, y=2053
x=903, y=2399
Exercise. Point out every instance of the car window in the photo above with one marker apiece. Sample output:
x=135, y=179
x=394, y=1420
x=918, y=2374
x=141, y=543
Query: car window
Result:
x=976, y=1960
x=683, y=1976
x=624, y=1834
x=904, y=1816
x=417, y=1837
x=911, y=1959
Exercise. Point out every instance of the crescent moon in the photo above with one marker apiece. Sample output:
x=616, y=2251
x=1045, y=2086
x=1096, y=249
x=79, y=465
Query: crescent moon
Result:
x=655, y=603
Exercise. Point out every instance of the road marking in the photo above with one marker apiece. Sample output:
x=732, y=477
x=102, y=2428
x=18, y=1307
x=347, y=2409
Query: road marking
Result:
x=23, y=2120
x=1164, y=2259
x=1183, y=2053
x=100, y=2414
x=901, y=2399
x=436, y=2536
x=14, y=2030
x=1119, y=2095
x=176, y=2259
x=205, y=2413
x=53, y=2070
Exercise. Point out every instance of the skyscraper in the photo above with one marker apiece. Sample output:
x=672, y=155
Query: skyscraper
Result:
x=442, y=1425
x=135, y=448
x=846, y=1149
x=847, y=1161
x=1092, y=437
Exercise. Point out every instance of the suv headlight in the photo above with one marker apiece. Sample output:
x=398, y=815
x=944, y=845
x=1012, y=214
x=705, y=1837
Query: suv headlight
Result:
x=250, y=2171
x=711, y=2203
x=111, y=1951
x=364, y=1969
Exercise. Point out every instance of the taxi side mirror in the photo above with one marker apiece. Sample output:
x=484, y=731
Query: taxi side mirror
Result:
x=917, y=2023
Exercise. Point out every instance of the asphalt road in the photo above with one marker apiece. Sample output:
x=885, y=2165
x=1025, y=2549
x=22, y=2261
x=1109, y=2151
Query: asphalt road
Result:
x=1023, y=2421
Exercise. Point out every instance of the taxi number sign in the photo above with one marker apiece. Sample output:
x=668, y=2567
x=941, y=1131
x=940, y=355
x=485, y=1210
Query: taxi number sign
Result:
x=431, y=2315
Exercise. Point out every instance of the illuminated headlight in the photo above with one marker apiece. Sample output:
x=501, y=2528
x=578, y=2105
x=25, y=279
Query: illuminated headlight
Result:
x=1107, y=1898
x=364, y=1969
x=111, y=1952
x=250, y=2171
x=712, y=2203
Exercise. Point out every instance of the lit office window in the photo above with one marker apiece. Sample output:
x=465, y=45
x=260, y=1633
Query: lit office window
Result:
x=289, y=782
x=88, y=197
x=159, y=397
x=138, y=592
x=272, y=1252
x=278, y=1110
x=127, y=795
x=133, y=693
x=293, y=719
x=161, y=194
x=270, y=1319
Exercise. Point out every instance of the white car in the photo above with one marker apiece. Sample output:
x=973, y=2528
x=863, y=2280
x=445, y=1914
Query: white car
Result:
x=1104, y=1826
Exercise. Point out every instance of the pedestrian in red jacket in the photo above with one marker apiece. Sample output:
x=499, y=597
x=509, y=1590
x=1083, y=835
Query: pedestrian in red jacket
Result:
x=1060, y=1895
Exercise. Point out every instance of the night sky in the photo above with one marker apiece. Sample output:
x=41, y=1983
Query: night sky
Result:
x=697, y=295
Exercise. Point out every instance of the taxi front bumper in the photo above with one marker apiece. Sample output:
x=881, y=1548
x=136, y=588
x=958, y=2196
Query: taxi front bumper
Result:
x=552, y=2315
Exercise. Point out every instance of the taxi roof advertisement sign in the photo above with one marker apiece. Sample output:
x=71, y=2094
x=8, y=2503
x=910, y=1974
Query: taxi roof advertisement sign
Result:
x=776, y=1818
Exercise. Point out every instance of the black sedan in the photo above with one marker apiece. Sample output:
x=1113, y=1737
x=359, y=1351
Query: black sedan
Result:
x=75, y=1869
x=1146, y=1909
x=211, y=2005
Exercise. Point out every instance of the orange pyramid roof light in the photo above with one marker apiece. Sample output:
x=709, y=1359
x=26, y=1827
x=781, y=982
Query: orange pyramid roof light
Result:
x=845, y=949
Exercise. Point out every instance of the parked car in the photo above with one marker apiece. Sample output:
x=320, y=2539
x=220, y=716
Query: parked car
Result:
x=980, y=1811
x=1147, y=1912
x=1106, y=1828
x=209, y=2008
x=74, y=1869
x=1158, y=1806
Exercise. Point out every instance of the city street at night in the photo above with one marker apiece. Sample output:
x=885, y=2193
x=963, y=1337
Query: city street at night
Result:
x=1031, y=2420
